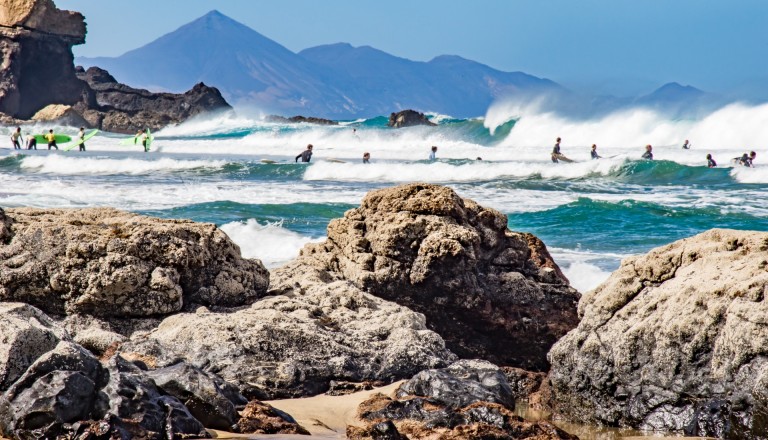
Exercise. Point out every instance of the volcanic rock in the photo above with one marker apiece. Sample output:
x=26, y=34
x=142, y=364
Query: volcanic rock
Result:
x=262, y=418
x=489, y=292
x=408, y=118
x=295, y=345
x=300, y=119
x=109, y=263
x=676, y=339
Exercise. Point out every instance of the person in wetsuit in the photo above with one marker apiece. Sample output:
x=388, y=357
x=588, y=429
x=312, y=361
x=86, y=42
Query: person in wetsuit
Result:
x=556, y=151
x=366, y=157
x=593, y=153
x=305, y=155
x=81, y=137
x=648, y=154
x=711, y=162
x=686, y=145
x=433, y=154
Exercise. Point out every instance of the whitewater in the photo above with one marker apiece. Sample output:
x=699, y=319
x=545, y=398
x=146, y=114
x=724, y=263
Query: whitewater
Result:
x=239, y=173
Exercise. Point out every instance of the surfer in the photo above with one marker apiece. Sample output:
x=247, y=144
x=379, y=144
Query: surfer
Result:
x=366, y=157
x=81, y=136
x=305, y=155
x=145, y=140
x=15, y=139
x=648, y=154
x=711, y=162
x=556, y=151
x=433, y=154
x=31, y=142
x=51, y=138
x=593, y=153
x=686, y=145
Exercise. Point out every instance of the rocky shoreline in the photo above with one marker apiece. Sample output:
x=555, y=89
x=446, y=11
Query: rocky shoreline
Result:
x=116, y=324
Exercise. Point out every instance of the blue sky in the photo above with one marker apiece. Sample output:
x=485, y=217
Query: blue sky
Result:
x=611, y=46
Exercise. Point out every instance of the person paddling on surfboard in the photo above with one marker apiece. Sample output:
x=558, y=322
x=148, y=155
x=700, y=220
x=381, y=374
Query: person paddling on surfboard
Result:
x=556, y=151
x=593, y=153
x=51, y=138
x=305, y=155
x=81, y=136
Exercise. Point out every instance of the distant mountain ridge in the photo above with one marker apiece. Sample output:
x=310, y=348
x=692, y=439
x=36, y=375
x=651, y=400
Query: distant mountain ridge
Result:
x=332, y=81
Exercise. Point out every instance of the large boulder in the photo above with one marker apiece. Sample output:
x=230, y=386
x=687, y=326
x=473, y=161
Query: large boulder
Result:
x=110, y=263
x=291, y=346
x=489, y=292
x=674, y=340
x=43, y=16
x=408, y=118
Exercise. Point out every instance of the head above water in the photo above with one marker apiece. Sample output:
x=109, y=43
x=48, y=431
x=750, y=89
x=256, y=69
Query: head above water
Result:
x=558, y=139
x=649, y=147
x=752, y=154
x=434, y=148
x=709, y=156
x=309, y=147
x=594, y=146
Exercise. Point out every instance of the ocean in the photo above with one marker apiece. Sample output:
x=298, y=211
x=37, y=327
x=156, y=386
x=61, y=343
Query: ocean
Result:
x=590, y=213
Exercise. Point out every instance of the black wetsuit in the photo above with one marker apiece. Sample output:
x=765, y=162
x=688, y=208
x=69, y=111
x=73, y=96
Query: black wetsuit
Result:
x=647, y=155
x=82, y=144
x=594, y=154
x=686, y=146
x=305, y=156
x=711, y=163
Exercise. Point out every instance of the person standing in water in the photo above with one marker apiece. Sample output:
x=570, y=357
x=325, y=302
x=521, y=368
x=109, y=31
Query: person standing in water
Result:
x=711, y=162
x=366, y=157
x=305, y=155
x=648, y=152
x=81, y=136
x=51, y=138
x=593, y=153
x=145, y=140
x=16, y=139
x=556, y=151
x=686, y=145
x=433, y=154
x=31, y=142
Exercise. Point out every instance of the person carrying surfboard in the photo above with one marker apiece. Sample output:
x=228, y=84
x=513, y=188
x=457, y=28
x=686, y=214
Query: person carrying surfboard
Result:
x=556, y=151
x=81, y=136
x=51, y=138
x=145, y=140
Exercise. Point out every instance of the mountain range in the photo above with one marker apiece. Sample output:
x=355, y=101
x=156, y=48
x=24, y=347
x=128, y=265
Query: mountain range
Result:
x=336, y=81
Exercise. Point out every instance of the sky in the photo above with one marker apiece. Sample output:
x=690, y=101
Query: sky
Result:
x=618, y=47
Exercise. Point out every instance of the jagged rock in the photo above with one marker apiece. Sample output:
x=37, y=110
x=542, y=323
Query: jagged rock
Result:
x=341, y=387
x=120, y=108
x=203, y=394
x=676, y=339
x=25, y=334
x=110, y=263
x=489, y=292
x=262, y=418
x=375, y=431
x=523, y=383
x=300, y=119
x=60, y=114
x=43, y=16
x=291, y=346
x=460, y=384
x=408, y=118
x=422, y=418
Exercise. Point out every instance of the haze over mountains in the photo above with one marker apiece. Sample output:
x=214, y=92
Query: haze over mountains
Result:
x=334, y=81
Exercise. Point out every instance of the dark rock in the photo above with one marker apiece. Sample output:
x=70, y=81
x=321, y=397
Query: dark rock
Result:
x=408, y=118
x=489, y=292
x=341, y=388
x=460, y=384
x=202, y=393
x=261, y=418
x=375, y=431
x=523, y=383
x=300, y=119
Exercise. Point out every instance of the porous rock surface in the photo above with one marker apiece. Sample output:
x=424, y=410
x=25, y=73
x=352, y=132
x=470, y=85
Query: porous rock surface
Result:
x=105, y=262
x=489, y=292
x=408, y=118
x=295, y=345
x=676, y=339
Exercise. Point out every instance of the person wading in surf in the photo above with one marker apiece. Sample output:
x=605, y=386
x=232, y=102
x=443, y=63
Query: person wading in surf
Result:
x=648, y=154
x=305, y=155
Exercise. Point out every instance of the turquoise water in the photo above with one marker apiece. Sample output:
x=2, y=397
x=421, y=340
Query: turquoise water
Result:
x=590, y=213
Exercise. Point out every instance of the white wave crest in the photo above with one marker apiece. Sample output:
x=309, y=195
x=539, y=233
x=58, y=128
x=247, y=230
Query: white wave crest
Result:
x=70, y=165
x=271, y=243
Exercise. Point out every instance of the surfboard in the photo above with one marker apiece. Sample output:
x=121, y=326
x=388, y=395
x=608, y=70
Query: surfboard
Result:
x=562, y=158
x=136, y=140
x=80, y=141
x=335, y=160
x=267, y=161
x=60, y=138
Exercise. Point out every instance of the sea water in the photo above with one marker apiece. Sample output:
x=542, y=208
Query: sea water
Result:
x=589, y=213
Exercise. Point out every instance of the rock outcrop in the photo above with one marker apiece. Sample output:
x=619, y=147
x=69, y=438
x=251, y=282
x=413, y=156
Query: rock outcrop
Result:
x=119, y=108
x=674, y=340
x=296, y=345
x=408, y=118
x=489, y=292
x=37, y=70
x=300, y=119
x=109, y=263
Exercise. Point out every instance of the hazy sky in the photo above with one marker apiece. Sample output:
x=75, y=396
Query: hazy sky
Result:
x=618, y=46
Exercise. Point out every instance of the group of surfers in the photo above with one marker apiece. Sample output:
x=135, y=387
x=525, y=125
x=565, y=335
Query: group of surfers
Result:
x=50, y=137
x=746, y=159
